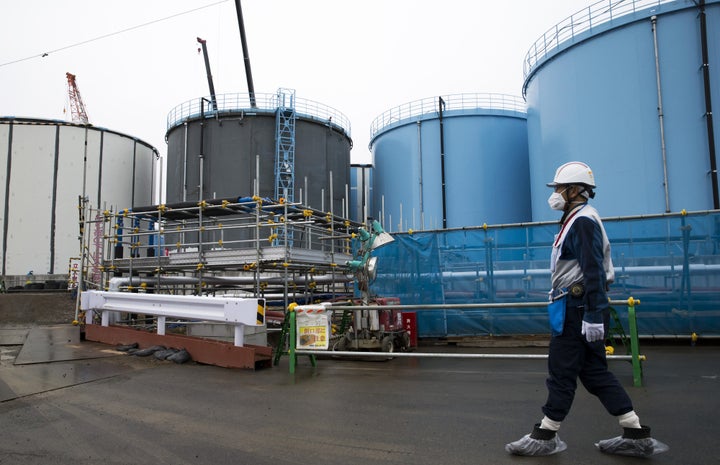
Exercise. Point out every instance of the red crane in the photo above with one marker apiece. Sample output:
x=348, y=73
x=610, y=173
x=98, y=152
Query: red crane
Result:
x=77, y=107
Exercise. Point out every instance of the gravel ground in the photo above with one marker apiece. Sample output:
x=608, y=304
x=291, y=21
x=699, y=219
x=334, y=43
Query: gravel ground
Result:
x=41, y=308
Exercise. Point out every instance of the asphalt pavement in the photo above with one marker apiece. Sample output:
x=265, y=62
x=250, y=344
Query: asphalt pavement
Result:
x=70, y=402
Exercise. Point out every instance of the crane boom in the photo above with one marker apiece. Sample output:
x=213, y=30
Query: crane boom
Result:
x=77, y=107
x=209, y=74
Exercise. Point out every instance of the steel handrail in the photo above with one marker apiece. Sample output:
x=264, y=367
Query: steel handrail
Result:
x=264, y=103
x=429, y=105
x=594, y=15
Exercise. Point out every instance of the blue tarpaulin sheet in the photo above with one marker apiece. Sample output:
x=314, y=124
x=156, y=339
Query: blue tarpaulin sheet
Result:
x=670, y=262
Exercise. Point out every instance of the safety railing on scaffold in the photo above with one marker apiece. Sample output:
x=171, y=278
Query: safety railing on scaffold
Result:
x=229, y=246
x=291, y=325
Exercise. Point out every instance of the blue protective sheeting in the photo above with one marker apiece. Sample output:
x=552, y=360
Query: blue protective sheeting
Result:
x=670, y=262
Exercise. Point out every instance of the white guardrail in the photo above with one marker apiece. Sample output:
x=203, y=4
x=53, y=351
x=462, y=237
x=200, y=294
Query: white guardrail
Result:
x=230, y=310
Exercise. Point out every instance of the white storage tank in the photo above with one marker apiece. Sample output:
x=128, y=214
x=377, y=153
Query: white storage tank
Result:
x=46, y=166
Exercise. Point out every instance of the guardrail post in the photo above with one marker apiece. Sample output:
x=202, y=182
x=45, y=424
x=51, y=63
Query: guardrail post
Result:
x=292, y=338
x=634, y=343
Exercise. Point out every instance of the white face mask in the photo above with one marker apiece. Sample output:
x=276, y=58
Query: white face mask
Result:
x=556, y=201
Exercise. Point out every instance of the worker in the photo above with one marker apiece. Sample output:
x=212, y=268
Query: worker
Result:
x=581, y=270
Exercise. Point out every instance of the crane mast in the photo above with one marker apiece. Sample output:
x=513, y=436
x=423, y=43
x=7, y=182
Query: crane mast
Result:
x=77, y=107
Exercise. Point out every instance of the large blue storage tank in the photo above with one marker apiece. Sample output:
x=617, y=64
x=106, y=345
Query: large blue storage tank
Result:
x=624, y=86
x=451, y=161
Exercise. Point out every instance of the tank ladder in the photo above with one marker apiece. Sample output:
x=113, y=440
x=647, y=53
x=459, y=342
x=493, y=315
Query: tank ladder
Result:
x=285, y=155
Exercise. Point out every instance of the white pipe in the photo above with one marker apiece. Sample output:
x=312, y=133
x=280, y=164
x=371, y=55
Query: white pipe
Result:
x=420, y=166
x=118, y=282
x=444, y=355
x=542, y=272
x=653, y=21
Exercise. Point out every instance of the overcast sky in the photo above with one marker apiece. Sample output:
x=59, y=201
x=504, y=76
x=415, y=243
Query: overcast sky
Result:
x=359, y=57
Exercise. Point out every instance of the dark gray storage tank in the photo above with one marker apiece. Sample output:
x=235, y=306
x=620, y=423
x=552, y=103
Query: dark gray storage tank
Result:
x=236, y=134
x=628, y=87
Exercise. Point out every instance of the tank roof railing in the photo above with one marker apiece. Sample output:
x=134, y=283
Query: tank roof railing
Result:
x=429, y=105
x=584, y=20
x=265, y=103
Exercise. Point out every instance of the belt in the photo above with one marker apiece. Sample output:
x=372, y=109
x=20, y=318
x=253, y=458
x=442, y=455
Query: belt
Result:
x=575, y=291
x=556, y=294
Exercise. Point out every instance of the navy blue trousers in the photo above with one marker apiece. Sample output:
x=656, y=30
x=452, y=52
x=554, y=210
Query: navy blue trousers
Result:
x=571, y=358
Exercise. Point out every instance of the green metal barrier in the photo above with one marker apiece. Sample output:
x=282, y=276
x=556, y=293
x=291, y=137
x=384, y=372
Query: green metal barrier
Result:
x=288, y=337
x=635, y=343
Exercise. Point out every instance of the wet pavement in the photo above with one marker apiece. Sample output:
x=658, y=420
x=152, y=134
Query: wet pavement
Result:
x=63, y=401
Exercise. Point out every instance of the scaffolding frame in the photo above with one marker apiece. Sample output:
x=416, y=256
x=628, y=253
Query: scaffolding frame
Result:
x=221, y=246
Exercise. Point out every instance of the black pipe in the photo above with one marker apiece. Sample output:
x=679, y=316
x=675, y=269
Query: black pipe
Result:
x=201, y=156
x=441, y=105
x=6, y=218
x=53, y=200
x=134, y=172
x=100, y=170
x=209, y=74
x=708, y=106
x=246, y=55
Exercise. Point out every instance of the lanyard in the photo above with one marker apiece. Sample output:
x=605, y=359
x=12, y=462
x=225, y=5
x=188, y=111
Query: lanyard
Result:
x=567, y=222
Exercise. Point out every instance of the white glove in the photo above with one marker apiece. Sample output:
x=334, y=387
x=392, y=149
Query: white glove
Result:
x=593, y=331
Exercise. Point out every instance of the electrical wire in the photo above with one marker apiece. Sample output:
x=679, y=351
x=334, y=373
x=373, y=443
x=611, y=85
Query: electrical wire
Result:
x=105, y=36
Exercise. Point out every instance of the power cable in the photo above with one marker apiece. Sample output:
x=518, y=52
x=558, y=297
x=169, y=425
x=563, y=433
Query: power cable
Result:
x=105, y=36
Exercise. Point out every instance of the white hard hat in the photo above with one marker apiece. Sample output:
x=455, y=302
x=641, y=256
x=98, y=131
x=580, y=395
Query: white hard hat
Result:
x=574, y=172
